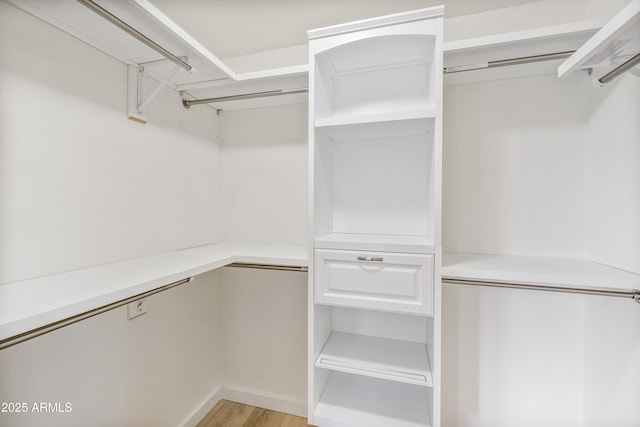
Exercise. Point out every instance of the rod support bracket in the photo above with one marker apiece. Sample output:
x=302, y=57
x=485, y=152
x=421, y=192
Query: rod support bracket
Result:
x=136, y=82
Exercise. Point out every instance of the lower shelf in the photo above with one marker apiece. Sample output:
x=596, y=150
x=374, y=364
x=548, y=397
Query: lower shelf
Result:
x=383, y=358
x=358, y=401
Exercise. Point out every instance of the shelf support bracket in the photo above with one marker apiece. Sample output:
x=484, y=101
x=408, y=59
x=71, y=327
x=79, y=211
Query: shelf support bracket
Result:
x=137, y=103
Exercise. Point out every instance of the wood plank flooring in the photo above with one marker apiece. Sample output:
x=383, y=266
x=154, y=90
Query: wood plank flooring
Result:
x=233, y=414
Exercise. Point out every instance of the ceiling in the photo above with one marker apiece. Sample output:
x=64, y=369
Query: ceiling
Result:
x=230, y=28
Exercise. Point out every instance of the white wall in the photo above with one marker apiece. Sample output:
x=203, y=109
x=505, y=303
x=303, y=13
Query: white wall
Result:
x=513, y=180
x=511, y=358
x=545, y=167
x=264, y=166
x=513, y=184
x=154, y=370
x=534, y=14
x=81, y=185
x=264, y=336
x=612, y=336
x=611, y=363
x=613, y=178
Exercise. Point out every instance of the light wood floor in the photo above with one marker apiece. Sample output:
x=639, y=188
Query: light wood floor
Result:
x=232, y=414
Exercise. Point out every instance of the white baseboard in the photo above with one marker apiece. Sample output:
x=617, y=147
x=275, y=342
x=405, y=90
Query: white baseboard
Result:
x=264, y=400
x=201, y=411
x=248, y=397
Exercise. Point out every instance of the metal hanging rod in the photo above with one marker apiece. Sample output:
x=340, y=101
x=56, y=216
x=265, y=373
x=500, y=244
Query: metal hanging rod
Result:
x=620, y=69
x=17, y=339
x=187, y=103
x=134, y=33
x=269, y=267
x=633, y=294
x=508, y=62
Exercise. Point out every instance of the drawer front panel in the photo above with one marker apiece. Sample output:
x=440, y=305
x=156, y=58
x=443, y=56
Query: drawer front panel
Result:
x=376, y=280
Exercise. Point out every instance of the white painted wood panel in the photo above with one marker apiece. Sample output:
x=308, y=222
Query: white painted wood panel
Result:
x=376, y=280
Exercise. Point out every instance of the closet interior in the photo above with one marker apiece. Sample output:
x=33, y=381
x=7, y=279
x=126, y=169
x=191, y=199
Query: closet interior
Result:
x=435, y=217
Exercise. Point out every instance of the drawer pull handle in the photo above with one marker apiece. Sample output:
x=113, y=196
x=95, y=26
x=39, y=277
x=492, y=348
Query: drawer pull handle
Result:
x=370, y=258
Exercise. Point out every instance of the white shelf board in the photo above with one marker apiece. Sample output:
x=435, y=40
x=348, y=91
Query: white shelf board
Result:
x=37, y=302
x=406, y=123
x=79, y=21
x=376, y=242
x=354, y=400
x=544, y=40
x=620, y=36
x=208, y=70
x=394, y=360
x=561, y=272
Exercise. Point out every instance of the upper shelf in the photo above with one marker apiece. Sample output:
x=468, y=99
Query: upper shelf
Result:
x=78, y=20
x=616, y=42
x=209, y=75
x=480, y=51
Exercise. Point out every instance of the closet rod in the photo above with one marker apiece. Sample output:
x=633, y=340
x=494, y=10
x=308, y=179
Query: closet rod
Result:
x=33, y=333
x=633, y=294
x=508, y=62
x=134, y=33
x=187, y=103
x=622, y=68
x=269, y=266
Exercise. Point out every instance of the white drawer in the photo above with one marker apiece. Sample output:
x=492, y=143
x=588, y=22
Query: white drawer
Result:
x=376, y=280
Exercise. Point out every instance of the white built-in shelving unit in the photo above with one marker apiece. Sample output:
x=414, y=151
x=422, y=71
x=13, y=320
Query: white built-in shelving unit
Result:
x=375, y=178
